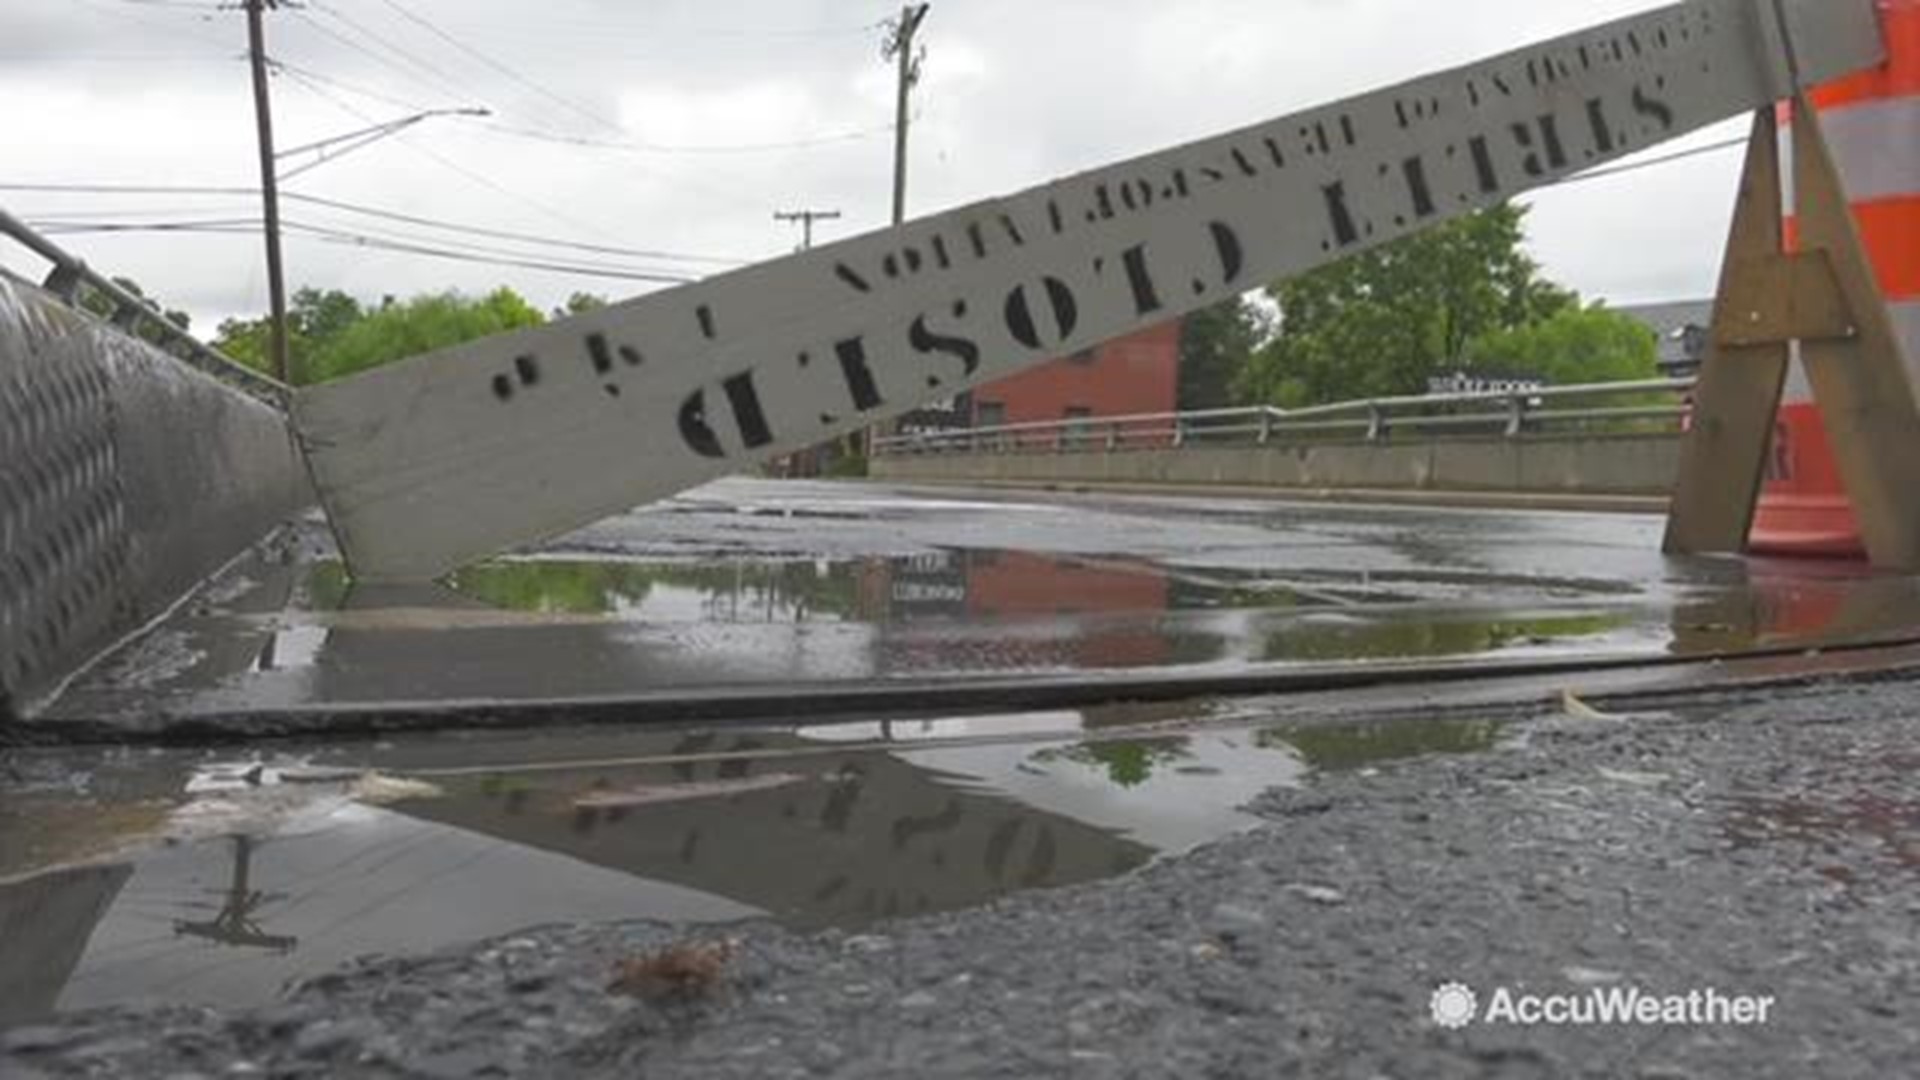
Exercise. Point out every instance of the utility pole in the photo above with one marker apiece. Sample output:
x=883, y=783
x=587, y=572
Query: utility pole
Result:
x=900, y=47
x=806, y=218
x=807, y=462
x=269, y=183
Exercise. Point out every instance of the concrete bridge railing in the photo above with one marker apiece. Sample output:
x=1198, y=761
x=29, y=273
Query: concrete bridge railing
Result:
x=1602, y=441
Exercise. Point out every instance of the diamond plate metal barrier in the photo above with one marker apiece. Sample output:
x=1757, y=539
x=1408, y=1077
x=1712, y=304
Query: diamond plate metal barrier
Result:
x=126, y=478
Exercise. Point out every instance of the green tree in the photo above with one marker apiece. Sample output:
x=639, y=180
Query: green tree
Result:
x=103, y=307
x=1216, y=344
x=579, y=304
x=435, y=321
x=1382, y=322
x=314, y=319
x=1574, y=345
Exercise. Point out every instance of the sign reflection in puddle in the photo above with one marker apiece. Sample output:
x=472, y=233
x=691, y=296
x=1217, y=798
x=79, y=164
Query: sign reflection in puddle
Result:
x=796, y=828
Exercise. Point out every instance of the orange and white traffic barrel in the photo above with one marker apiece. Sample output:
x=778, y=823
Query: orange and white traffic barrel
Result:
x=1872, y=123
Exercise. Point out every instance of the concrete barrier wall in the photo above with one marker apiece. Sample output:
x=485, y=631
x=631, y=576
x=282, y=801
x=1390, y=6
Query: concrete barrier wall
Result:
x=126, y=478
x=1609, y=465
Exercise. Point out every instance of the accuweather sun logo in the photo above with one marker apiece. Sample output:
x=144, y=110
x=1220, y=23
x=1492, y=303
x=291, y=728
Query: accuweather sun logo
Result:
x=1454, y=1006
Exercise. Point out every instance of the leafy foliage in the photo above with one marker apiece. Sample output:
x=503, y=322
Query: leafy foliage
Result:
x=1574, y=345
x=580, y=303
x=330, y=334
x=797, y=589
x=575, y=588
x=314, y=318
x=1127, y=762
x=420, y=325
x=103, y=307
x=1216, y=344
x=1382, y=322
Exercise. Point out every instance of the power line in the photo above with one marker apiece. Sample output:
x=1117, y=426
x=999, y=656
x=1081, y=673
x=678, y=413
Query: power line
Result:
x=706, y=185
x=400, y=241
x=607, y=249
x=436, y=81
x=579, y=269
x=601, y=31
x=133, y=58
x=54, y=226
x=125, y=11
x=503, y=69
x=450, y=164
x=371, y=211
x=378, y=243
x=493, y=256
x=342, y=84
x=146, y=213
x=385, y=41
x=468, y=246
x=505, y=234
x=1664, y=159
x=661, y=148
x=129, y=189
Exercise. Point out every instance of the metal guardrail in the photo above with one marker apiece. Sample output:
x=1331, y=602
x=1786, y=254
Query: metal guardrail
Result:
x=70, y=279
x=1509, y=414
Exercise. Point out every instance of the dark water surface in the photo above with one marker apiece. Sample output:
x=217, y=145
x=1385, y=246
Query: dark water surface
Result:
x=751, y=583
x=217, y=877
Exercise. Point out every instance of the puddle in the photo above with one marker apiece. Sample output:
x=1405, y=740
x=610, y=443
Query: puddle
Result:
x=274, y=870
x=755, y=585
x=1445, y=634
x=1335, y=748
x=613, y=626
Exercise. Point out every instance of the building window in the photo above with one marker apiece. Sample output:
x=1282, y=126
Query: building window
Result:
x=989, y=413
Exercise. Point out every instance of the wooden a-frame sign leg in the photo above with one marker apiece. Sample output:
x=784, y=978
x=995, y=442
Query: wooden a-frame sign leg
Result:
x=1824, y=296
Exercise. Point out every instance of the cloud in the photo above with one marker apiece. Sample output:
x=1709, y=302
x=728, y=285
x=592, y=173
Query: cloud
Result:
x=1015, y=93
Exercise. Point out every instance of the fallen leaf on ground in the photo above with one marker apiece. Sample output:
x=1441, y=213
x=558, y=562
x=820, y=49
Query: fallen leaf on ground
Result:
x=1570, y=703
x=379, y=789
x=687, y=970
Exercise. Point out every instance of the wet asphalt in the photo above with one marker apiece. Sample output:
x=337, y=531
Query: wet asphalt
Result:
x=1759, y=844
x=1211, y=886
x=794, y=589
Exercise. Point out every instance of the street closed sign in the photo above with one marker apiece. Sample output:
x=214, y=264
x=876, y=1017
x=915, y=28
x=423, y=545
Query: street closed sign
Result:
x=455, y=455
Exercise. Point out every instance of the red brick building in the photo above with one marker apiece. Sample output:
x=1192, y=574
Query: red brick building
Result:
x=1129, y=376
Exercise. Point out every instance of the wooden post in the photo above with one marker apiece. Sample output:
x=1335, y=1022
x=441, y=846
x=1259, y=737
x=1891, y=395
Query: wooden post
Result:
x=1723, y=460
x=1825, y=297
x=1859, y=380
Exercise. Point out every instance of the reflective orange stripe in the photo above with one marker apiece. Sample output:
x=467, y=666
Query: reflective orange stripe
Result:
x=1804, y=509
x=1901, y=75
x=1891, y=230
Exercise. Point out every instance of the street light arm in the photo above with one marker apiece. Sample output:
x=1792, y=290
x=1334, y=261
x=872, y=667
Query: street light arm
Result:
x=340, y=145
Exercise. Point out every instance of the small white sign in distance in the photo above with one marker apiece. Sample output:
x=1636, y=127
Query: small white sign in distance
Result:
x=452, y=456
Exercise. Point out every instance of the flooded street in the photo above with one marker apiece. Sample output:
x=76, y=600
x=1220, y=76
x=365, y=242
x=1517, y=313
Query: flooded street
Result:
x=802, y=586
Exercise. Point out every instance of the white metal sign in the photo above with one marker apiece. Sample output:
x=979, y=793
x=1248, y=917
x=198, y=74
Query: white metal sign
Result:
x=452, y=456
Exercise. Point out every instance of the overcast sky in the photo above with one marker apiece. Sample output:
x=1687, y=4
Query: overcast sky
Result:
x=646, y=125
